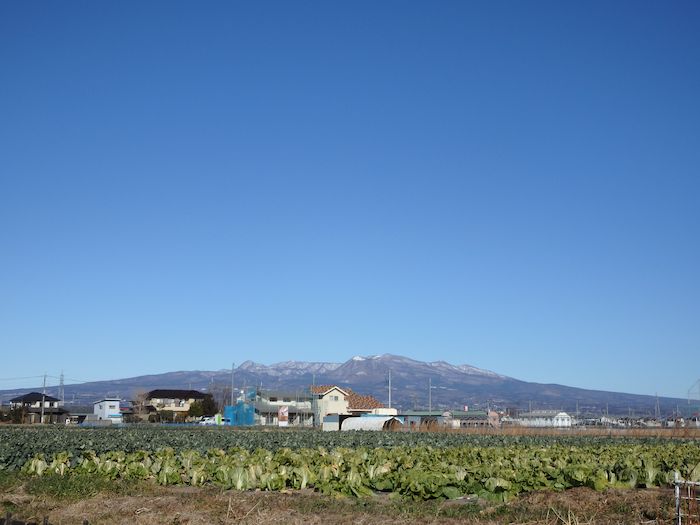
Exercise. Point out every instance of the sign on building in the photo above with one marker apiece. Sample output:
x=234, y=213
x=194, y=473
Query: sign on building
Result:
x=283, y=416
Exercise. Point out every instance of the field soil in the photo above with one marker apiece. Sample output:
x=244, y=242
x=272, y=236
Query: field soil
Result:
x=146, y=504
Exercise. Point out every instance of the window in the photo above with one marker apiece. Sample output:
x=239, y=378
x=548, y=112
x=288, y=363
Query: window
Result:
x=112, y=406
x=273, y=399
x=334, y=398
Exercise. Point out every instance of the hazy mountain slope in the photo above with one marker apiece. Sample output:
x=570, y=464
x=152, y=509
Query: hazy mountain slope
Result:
x=452, y=385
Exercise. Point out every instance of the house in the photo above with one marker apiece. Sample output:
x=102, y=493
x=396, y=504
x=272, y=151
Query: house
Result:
x=270, y=405
x=471, y=419
x=177, y=401
x=108, y=409
x=334, y=400
x=36, y=405
x=544, y=418
x=329, y=399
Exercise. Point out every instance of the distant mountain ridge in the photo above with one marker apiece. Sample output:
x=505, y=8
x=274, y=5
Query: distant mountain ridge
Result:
x=415, y=385
x=287, y=368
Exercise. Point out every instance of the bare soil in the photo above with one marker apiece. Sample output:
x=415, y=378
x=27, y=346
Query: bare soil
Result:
x=153, y=505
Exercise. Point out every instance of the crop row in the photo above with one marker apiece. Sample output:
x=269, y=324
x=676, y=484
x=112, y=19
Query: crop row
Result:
x=19, y=444
x=415, y=472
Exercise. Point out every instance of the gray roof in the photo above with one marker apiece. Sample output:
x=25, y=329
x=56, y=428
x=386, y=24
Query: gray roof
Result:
x=33, y=397
x=169, y=393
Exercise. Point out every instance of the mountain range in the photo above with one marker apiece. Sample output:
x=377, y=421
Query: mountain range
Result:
x=414, y=385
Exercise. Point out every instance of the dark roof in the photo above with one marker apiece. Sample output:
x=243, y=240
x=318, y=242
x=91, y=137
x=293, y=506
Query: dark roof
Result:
x=175, y=394
x=33, y=397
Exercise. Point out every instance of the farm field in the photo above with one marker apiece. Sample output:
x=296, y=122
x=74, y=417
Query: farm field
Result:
x=69, y=501
x=308, y=474
x=19, y=443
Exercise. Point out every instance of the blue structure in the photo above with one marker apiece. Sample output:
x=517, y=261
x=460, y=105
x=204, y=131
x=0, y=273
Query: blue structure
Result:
x=242, y=413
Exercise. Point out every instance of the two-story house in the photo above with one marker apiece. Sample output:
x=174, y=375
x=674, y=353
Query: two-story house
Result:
x=334, y=400
x=36, y=404
x=177, y=401
x=269, y=405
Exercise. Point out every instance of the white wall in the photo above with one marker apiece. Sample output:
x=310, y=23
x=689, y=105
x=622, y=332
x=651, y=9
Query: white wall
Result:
x=108, y=410
x=333, y=402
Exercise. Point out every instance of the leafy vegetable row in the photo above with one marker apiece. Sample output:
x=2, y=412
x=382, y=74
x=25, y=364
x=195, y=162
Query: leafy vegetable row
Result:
x=416, y=472
x=19, y=444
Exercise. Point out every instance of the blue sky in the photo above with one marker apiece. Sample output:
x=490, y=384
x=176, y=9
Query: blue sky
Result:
x=506, y=184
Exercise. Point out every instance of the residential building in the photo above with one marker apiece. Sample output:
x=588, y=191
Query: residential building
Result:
x=544, y=418
x=36, y=404
x=332, y=399
x=177, y=401
x=108, y=409
x=297, y=405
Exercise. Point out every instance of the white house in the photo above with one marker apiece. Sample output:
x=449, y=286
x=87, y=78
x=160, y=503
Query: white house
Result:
x=545, y=418
x=333, y=400
x=108, y=409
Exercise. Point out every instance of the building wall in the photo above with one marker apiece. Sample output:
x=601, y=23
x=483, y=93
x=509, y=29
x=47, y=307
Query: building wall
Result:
x=333, y=402
x=384, y=411
x=174, y=405
x=560, y=420
x=37, y=404
x=108, y=410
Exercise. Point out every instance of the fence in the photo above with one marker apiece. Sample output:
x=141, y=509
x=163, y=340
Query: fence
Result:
x=687, y=501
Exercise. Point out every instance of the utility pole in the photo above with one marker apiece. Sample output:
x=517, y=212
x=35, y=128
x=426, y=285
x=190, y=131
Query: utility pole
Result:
x=61, y=390
x=43, y=399
x=390, y=388
x=657, y=411
x=232, y=366
x=314, y=401
x=690, y=391
x=430, y=396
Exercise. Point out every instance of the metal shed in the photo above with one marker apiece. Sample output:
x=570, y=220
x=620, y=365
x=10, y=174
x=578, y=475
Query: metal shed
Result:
x=371, y=423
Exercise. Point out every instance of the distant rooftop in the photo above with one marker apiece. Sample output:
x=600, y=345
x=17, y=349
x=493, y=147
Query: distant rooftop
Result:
x=174, y=394
x=33, y=397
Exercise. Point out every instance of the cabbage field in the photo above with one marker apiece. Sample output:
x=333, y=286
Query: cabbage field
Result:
x=414, y=465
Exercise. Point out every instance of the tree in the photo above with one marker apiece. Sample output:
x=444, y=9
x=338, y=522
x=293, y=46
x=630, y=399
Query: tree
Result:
x=18, y=414
x=209, y=407
x=140, y=401
x=205, y=407
x=196, y=409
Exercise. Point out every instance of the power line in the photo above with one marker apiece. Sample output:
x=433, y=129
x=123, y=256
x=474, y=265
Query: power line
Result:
x=70, y=379
x=19, y=378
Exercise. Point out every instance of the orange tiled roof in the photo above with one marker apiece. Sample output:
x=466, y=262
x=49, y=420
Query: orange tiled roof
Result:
x=360, y=402
x=320, y=389
x=355, y=401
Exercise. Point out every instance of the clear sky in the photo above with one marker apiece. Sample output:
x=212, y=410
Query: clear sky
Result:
x=512, y=185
